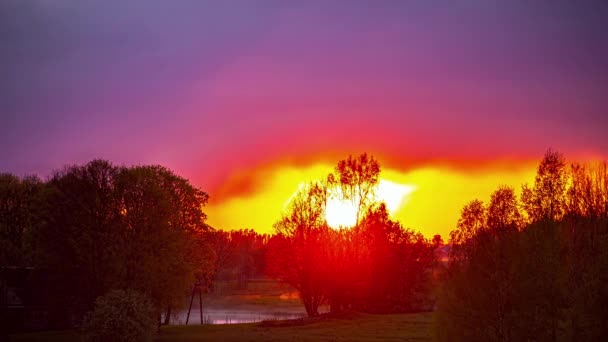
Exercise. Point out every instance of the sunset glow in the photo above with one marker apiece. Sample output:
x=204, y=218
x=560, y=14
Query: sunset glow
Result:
x=342, y=213
x=247, y=107
x=428, y=199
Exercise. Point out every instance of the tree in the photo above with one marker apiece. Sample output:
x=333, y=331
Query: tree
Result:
x=400, y=263
x=543, y=280
x=473, y=218
x=585, y=232
x=358, y=178
x=296, y=254
x=587, y=194
x=138, y=228
x=546, y=199
x=503, y=211
x=377, y=265
x=437, y=240
x=163, y=237
x=20, y=206
x=78, y=239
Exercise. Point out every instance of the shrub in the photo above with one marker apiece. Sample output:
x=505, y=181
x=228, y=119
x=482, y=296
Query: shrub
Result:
x=121, y=316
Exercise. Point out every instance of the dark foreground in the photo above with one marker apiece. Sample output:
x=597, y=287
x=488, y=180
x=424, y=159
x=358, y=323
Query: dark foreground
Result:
x=349, y=327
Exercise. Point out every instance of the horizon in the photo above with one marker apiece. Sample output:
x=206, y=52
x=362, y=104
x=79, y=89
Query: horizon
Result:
x=248, y=101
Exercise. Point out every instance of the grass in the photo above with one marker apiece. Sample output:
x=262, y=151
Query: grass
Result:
x=353, y=327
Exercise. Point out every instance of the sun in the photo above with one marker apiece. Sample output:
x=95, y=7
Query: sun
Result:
x=341, y=213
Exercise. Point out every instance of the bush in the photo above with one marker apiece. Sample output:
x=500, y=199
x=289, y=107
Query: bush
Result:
x=121, y=316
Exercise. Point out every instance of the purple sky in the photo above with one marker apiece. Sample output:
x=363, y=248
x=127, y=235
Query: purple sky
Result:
x=208, y=87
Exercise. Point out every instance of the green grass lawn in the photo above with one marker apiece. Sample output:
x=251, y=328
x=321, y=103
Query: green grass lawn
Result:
x=356, y=327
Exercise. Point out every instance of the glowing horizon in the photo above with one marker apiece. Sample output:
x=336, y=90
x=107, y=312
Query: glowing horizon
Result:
x=430, y=201
x=342, y=213
x=248, y=100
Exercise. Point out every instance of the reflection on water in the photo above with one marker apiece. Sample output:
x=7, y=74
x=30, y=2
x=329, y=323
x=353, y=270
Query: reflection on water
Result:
x=222, y=316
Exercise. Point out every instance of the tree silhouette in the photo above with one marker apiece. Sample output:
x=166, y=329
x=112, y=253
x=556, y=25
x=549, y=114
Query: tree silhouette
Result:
x=542, y=280
x=503, y=211
x=545, y=200
x=358, y=178
x=473, y=218
x=296, y=254
x=20, y=208
x=110, y=227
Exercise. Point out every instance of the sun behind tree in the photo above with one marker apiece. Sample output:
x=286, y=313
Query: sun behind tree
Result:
x=341, y=212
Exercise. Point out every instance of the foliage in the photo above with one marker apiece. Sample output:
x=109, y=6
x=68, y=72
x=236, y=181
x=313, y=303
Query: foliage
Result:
x=110, y=227
x=121, y=316
x=19, y=217
x=400, y=264
x=240, y=255
x=296, y=254
x=545, y=200
x=375, y=266
x=545, y=280
x=357, y=178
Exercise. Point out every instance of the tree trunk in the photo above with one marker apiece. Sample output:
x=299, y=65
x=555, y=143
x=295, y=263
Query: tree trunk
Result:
x=168, y=316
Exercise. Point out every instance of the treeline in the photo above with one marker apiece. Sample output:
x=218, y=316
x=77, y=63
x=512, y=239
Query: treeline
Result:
x=533, y=268
x=90, y=229
x=97, y=227
x=94, y=228
x=375, y=266
x=239, y=256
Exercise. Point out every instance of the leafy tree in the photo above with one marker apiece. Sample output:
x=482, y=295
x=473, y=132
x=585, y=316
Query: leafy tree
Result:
x=20, y=206
x=377, y=265
x=476, y=299
x=586, y=196
x=400, y=262
x=163, y=237
x=122, y=316
x=357, y=178
x=540, y=282
x=546, y=199
x=473, y=218
x=136, y=228
x=79, y=238
x=585, y=232
x=545, y=280
x=503, y=211
x=296, y=254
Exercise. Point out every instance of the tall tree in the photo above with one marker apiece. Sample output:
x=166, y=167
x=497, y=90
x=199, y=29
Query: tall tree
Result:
x=546, y=199
x=163, y=235
x=400, y=263
x=78, y=238
x=358, y=178
x=587, y=195
x=503, y=211
x=133, y=228
x=20, y=206
x=472, y=221
x=296, y=254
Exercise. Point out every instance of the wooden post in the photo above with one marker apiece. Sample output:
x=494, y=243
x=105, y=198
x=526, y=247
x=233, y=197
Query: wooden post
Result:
x=190, y=309
x=200, y=302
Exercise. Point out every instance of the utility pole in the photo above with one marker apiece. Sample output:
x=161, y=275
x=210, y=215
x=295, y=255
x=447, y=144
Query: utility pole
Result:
x=196, y=288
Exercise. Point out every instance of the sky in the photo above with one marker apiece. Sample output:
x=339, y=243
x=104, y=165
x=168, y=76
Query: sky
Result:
x=248, y=99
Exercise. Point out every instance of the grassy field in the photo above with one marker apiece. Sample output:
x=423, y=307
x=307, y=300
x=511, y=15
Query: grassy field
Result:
x=352, y=327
